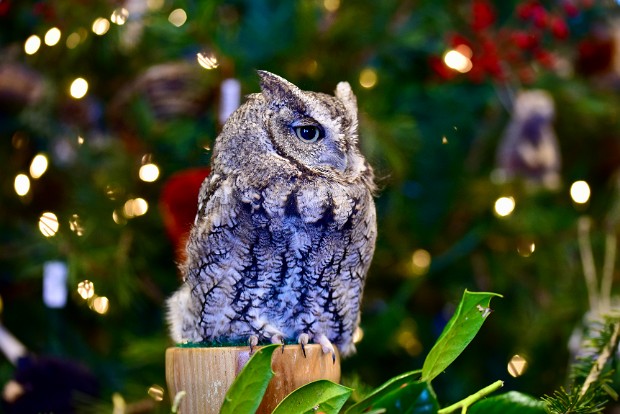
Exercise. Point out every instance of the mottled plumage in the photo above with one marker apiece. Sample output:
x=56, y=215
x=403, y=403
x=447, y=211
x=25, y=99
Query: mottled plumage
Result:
x=286, y=226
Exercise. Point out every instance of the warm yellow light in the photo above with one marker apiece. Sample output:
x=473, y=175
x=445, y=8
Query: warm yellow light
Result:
x=78, y=88
x=177, y=17
x=526, y=248
x=21, y=184
x=86, y=289
x=75, y=224
x=149, y=172
x=101, y=304
x=80, y=140
x=207, y=60
x=580, y=192
x=48, y=224
x=358, y=335
x=154, y=5
x=156, y=392
x=420, y=260
x=368, y=78
x=101, y=26
x=32, y=45
x=135, y=207
x=118, y=218
x=504, y=206
x=517, y=366
x=52, y=37
x=119, y=16
x=73, y=40
x=331, y=5
x=459, y=59
x=38, y=166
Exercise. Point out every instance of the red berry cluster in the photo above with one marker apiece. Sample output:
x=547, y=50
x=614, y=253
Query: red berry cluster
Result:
x=515, y=49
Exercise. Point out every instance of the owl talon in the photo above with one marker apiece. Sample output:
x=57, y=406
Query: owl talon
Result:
x=252, y=341
x=278, y=339
x=303, y=341
x=327, y=347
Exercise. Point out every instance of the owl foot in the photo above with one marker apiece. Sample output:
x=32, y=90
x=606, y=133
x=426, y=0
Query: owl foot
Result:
x=252, y=341
x=327, y=346
x=278, y=339
x=303, y=341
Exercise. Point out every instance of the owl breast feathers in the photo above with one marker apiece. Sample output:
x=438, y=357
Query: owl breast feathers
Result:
x=286, y=226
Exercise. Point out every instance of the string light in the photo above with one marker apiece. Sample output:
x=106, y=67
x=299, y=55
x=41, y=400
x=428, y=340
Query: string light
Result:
x=459, y=59
x=32, y=45
x=517, y=366
x=86, y=289
x=48, y=224
x=331, y=5
x=119, y=16
x=135, y=207
x=504, y=206
x=101, y=26
x=207, y=60
x=420, y=260
x=177, y=17
x=156, y=392
x=526, y=249
x=75, y=224
x=368, y=78
x=21, y=184
x=154, y=5
x=78, y=88
x=38, y=166
x=52, y=37
x=358, y=335
x=580, y=192
x=100, y=304
x=118, y=218
x=73, y=40
x=149, y=172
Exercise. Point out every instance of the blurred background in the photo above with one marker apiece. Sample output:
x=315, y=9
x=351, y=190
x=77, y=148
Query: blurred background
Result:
x=493, y=128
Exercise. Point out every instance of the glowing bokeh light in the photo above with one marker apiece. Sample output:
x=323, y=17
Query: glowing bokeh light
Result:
x=101, y=26
x=580, y=192
x=358, y=335
x=149, y=172
x=21, y=184
x=86, y=289
x=420, y=261
x=135, y=207
x=177, y=17
x=38, y=166
x=101, y=304
x=207, y=60
x=32, y=45
x=517, y=366
x=52, y=37
x=526, y=249
x=75, y=224
x=119, y=16
x=73, y=40
x=154, y=5
x=48, y=224
x=78, y=88
x=368, y=78
x=459, y=59
x=504, y=206
x=331, y=5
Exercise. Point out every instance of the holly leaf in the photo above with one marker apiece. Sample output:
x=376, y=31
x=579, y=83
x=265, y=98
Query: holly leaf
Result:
x=247, y=390
x=512, y=402
x=320, y=396
x=393, y=384
x=458, y=333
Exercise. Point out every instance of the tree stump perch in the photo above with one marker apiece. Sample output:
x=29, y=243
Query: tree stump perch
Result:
x=206, y=374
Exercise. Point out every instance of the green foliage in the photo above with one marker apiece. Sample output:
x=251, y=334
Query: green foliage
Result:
x=318, y=396
x=384, y=390
x=512, y=402
x=246, y=392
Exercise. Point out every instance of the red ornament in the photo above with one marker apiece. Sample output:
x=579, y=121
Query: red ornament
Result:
x=483, y=15
x=559, y=28
x=179, y=203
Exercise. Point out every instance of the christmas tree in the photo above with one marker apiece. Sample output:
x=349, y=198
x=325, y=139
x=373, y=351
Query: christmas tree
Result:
x=492, y=128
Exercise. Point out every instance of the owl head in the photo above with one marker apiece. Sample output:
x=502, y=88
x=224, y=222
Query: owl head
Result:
x=314, y=131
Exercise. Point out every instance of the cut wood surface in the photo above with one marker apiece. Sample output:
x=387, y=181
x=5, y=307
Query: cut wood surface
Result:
x=205, y=374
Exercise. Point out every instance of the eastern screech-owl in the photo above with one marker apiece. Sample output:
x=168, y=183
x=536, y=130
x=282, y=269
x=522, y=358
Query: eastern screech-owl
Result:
x=286, y=225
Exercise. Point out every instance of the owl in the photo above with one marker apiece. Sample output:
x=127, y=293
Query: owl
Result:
x=286, y=225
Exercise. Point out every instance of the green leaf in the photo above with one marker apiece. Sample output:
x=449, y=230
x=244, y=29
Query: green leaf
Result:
x=246, y=392
x=319, y=396
x=415, y=397
x=458, y=333
x=389, y=386
x=509, y=403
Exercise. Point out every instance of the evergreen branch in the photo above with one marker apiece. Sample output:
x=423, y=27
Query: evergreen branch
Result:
x=608, y=270
x=587, y=260
x=602, y=359
x=467, y=402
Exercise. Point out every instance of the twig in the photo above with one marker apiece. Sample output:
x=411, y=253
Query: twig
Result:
x=608, y=270
x=464, y=404
x=606, y=353
x=587, y=260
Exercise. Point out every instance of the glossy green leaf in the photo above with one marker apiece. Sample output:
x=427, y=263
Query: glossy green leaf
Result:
x=320, y=396
x=380, y=392
x=509, y=403
x=458, y=333
x=246, y=392
x=414, y=397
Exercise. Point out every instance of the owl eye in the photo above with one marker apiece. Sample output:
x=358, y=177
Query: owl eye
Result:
x=309, y=133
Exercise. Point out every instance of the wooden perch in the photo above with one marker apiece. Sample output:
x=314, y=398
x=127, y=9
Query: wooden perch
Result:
x=205, y=374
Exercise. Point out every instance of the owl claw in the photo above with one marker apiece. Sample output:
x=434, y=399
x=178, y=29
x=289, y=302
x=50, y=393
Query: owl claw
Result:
x=278, y=339
x=252, y=341
x=327, y=347
x=303, y=341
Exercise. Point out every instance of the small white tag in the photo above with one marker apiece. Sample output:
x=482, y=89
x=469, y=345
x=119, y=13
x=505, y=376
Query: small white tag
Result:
x=55, y=284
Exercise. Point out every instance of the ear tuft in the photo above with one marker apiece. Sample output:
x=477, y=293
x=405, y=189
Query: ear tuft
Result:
x=276, y=88
x=345, y=94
